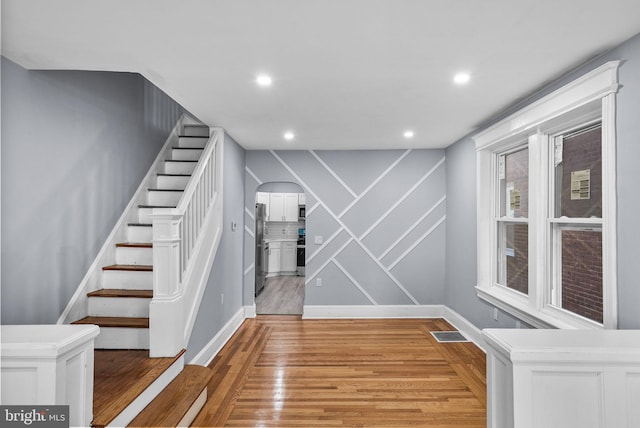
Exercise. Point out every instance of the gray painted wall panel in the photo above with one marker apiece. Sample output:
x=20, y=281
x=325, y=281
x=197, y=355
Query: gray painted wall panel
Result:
x=335, y=283
x=408, y=213
x=310, y=170
x=342, y=162
x=425, y=229
x=390, y=189
x=427, y=258
x=360, y=263
x=75, y=146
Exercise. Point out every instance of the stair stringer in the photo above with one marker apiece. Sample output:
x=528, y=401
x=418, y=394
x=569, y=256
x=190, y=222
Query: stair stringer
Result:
x=77, y=308
x=171, y=320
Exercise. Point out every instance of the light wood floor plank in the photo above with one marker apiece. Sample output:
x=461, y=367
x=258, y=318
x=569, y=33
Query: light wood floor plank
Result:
x=283, y=371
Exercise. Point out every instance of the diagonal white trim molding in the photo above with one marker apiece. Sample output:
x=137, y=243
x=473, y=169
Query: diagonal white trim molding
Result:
x=332, y=172
x=404, y=235
x=354, y=282
x=253, y=175
x=349, y=231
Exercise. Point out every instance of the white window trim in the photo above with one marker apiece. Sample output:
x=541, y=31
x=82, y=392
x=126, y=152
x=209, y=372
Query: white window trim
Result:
x=592, y=95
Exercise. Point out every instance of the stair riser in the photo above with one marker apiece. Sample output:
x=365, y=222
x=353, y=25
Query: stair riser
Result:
x=127, y=280
x=119, y=307
x=193, y=143
x=134, y=256
x=144, y=215
x=197, y=405
x=185, y=154
x=169, y=182
x=195, y=131
x=139, y=234
x=163, y=198
x=179, y=167
x=122, y=338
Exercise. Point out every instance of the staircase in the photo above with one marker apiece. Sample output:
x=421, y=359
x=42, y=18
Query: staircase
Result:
x=121, y=307
x=145, y=286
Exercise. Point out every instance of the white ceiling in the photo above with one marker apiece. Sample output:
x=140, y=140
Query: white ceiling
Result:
x=347, y=74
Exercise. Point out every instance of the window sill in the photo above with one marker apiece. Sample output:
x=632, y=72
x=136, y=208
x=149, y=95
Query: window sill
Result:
x=548, y=318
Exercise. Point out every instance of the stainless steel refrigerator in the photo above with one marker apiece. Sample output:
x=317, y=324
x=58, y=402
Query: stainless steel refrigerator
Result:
x=261, y=256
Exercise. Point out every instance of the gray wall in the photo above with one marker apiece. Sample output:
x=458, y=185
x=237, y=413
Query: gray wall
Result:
x=461, y=213
x=357, y=274
x=226, y=275
x=75, y=146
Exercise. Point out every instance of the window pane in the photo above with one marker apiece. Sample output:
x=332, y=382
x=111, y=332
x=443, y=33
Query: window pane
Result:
x=514, y=184
x=582, y=273
x=513, y=256
x=579, y=173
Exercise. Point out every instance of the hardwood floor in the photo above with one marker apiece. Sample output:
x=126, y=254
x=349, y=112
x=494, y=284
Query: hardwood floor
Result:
x=283, y=371
x=282, y=295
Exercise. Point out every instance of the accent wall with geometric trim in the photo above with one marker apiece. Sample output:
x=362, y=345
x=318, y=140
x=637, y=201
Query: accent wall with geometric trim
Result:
x=381, y=215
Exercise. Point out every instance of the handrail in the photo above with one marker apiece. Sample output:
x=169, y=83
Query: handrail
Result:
x=198, y=196
x=179, y=253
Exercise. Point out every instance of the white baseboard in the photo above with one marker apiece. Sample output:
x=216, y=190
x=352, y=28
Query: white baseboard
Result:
x=372, y=311
x=470, y=331
x=204, y=357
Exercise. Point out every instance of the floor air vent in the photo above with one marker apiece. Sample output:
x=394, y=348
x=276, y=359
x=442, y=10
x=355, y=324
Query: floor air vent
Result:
x=448, y=336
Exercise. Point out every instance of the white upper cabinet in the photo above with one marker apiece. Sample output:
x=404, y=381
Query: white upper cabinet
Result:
x=282, y=207
x=276, y=206
x=290, y=207
x=302, y=200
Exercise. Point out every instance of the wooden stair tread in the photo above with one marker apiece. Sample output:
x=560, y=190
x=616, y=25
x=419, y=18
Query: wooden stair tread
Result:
x=120, y=377
x=123, y=322
x=134, y=245
x=140, y=224
x=130, y=268
x=171, y=160
x=165, y=190
x=187, y=148
x=171, y=405
x=113, y=292
x=174, y=175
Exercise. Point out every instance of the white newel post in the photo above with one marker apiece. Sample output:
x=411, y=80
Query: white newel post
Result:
x=166, y=332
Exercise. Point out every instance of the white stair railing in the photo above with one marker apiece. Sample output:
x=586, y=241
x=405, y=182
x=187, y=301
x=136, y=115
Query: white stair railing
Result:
x=185, y=240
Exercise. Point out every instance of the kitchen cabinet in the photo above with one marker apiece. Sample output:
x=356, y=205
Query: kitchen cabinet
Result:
x=275, y=251
x=302, y=200
x=283, y=207
x=288, y=261
x=282, y=258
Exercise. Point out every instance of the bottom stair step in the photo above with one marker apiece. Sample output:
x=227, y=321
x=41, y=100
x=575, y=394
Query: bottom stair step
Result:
x=120, y=332
x=179, y=403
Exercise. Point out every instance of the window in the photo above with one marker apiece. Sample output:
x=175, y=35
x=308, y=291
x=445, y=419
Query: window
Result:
x=546, y=207
x=512, y=223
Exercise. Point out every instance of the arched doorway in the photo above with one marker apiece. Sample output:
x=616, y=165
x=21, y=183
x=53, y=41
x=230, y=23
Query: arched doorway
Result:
x=279, y=249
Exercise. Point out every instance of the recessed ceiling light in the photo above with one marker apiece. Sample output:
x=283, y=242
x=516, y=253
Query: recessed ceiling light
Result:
x=462, y=78
x=264, y=80
x=289, y=135
x=408, y=134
